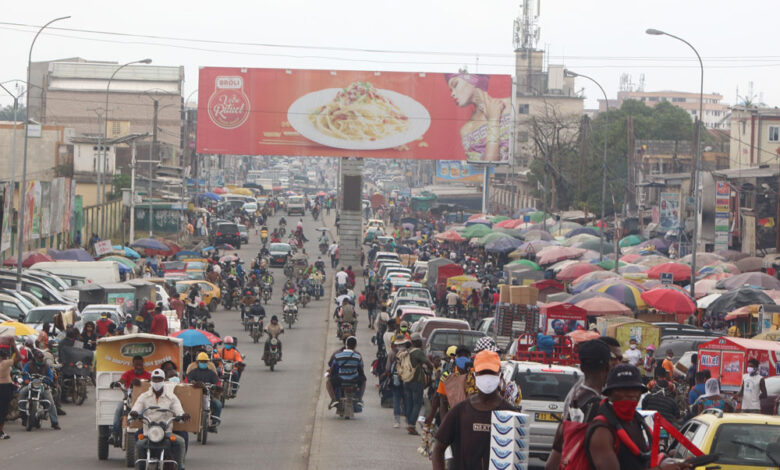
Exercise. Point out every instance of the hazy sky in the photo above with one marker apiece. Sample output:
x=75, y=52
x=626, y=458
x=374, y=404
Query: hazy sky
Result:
x=602, y=38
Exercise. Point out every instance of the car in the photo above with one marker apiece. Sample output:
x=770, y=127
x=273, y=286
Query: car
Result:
x=412, y=313
x=244, y=233
x=743, y=441
x=413, y=292
x=544, y=389
x=396, y=283
x=209, y=293
x=116, y=309
x=406, y=302
x=226, y=233
x=486, y=326
x=94, y=314
x=249, y=207
x=37, y=316
x=296, y=206
x=378, y=223
x=678, y=329
x=440, y=339
x=13, y=307
x=426, y=325
x=277, y=254
x=680, y=345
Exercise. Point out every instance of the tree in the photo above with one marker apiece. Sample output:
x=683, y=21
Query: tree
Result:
x=7, y=113
x=119, y=182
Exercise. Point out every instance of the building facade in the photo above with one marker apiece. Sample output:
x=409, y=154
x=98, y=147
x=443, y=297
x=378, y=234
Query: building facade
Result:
x=755, y=137
x=716, y=113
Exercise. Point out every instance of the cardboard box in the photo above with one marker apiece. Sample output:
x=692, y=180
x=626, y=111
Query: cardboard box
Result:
x=523, y=295
x=191, y=399
x=503, y=293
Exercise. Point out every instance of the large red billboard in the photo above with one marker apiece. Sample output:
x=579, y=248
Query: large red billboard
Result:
x=457, y=116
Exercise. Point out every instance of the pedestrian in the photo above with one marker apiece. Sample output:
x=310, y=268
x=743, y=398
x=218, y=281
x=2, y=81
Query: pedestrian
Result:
x=466, y=427
x=633, y=354
x=648, y=363
x=332, y=252
x=711, y=399
x=753, y=389
x=698, y=389
x=8, y=360
x=159, y=324
x=414, y=386
x=668, y=363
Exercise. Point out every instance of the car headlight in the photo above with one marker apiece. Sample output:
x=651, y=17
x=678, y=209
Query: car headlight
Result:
x=155, y=434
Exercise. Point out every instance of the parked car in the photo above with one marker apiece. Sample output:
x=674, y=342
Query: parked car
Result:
x=440, y=339
x=209, y=293
x=410, y=314
x=677, y=329
x=37, y=316
x=13, y=307
x=544, y=390
x=486, y=326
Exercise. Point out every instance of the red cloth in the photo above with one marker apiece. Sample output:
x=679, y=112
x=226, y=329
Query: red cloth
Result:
x=495, y=298
x=178, y=305
x=159, y=325
x=102, y=327
x=127, y=377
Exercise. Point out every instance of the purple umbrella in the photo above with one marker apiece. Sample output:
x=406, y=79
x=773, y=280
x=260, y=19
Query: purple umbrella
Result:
x=581, y=230
x=72, y=254
x=478, y=221
x=537, y=235
x=588, y=295
x=753, y=279
x=583, y=286
x=658, y=243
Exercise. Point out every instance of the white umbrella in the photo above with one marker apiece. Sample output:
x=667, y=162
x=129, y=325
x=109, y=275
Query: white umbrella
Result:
x=705, y=301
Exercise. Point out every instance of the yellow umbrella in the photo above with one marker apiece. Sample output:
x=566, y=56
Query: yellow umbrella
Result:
x=18, y=329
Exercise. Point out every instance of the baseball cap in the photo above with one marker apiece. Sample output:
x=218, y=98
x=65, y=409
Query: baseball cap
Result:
x=624, y=376
x=416, y=337
x=485, y=343
x=202, y=357
x=452, y=350
x=158, y=373
x=404, y=324
x=487, y=360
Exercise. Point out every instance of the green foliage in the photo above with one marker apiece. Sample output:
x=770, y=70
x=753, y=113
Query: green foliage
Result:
x=119, y=182
x=7, y=113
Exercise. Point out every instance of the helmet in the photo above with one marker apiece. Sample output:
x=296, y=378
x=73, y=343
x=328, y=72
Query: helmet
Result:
x=274, y=318
x=202, y=357
x=291, y=291
x=650, y=347
x=202, y=304
x=228, y=340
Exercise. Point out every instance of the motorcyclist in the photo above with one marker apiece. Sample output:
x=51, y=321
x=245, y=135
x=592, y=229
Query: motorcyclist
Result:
x=290, y=297
x=275, y=237
x=274, y=329
x=203, y=374
x=202, y=313
x=229, y=353
x=347, y=367
x=319, y=264
x=38, y=366
x=282, y=222
x=264, y=234
x=347, y=313
x=163, y=397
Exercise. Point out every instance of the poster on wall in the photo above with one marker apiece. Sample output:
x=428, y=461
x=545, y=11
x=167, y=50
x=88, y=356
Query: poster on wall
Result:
x=45, y=208
x=731, y=372
x=32, y=211
x=669, y=210
x=460, y=171
x=5, y=232
x=342, y=113
x=710, y=360
x=722, y=215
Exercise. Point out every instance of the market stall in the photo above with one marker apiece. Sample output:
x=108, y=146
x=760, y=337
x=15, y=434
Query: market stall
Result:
x=726, y=359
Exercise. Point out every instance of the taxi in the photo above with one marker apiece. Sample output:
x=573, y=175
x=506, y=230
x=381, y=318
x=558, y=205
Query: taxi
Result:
x=744, y=441
x=209, y=292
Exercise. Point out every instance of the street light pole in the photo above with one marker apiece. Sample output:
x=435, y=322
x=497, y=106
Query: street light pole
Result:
x=13, y=158
x=697, y=158
x=104, y=132
x=22, y=198
x=603, y=165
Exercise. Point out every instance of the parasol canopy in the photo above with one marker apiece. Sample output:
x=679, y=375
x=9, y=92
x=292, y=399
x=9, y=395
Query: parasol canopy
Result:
x=553, y=254
x=759, y=280
x=669, y=300
x=750, y=264
x=449, y=236
x=29, y=258
x=599, y=306
x=574, y=271
x=681, y=272
x=192, y=337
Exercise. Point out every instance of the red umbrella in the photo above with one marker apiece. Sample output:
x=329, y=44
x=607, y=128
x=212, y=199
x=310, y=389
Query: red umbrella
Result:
x=553, y=254
x=681, y=272
x=669, y=300
x=219, y=191
x=508, y=223
x=29, y=258
x=600, y=306
x=449, y=236
x=573, y=271
x=630, y=258
x=173, y=247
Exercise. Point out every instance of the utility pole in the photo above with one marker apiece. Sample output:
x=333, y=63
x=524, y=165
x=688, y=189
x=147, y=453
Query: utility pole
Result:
x=630, y=194
x=132, y=192
x=152, y=158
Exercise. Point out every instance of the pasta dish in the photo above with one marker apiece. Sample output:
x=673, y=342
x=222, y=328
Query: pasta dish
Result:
x=359, y=112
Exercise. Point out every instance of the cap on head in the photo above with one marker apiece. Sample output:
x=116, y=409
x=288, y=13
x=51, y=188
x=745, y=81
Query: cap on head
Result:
x=650, y=347
x=451, y=351
x=486, y=343
x=228, y=340
x=624, y=376
x=158, y=374
x=202, y=356
x=404, y=324
x=487, y=361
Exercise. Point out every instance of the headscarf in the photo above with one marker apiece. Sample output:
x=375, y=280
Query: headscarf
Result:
x=711, y=388
x=479, y=81
x=485, y=343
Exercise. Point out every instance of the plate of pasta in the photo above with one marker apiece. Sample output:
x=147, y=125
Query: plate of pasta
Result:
x=359, y=117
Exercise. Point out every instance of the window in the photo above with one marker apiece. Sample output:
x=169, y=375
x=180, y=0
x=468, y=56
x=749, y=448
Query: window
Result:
x=743, y=444
x=544, y=386
x=774, y=133
x=653, y=98
x=678, y=100
x=522, y=109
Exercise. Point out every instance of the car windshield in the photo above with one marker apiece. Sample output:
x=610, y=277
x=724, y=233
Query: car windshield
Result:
x=40, y=316
x=441, y=341
x=745, y=444
x=413, y=293
x=279, y=247
x=548, y=386
x=182, y=287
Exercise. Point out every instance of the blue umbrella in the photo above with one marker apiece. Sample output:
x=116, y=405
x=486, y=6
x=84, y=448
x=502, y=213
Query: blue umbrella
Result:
x=212, y=196
x=208, y=249
x=503, y=245
x=192, y=337
x=129, y=252
x=73, y=254
x=521, y=212
x=580, y=230
x=150, y=244
x=583, y=286
x=123, y=269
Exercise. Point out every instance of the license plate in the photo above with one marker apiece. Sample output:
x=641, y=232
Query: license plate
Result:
x=548, y=417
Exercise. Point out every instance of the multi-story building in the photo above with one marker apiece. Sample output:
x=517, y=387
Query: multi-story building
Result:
x=716, y=113
x=755, y=137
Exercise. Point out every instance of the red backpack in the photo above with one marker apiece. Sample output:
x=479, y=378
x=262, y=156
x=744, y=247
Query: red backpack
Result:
x=573, y=454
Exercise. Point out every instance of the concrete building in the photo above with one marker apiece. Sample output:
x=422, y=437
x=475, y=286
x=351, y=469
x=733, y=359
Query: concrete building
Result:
x=715, y=112
x=755, y=137
x=48, y=151
x=72, y=92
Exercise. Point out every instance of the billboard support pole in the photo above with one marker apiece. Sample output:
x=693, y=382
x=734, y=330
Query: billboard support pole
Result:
x=485, y=178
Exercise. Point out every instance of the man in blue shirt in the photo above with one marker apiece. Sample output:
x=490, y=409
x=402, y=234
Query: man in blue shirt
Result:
x=698, y=389
x=347, y=367
x=38, y=366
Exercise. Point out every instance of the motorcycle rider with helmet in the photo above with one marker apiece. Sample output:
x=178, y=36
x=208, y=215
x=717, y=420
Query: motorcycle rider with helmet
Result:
x=346, y=366
x=203, y=374
x=274, y=330
x=38, y=366
x=229, y=352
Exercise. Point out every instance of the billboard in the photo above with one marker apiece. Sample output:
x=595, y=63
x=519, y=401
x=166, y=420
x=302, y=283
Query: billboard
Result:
x=722, y=215
x=405, y=115
x=670, y=209
x=459, y=171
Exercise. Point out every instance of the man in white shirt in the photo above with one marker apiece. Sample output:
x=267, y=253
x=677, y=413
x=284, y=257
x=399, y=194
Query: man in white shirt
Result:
x=161, y=396
x=633, y=355
x=342, y=278
x=332, y=253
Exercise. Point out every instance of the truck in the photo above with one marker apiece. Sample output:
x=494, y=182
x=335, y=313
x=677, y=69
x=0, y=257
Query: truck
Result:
x=296, y=205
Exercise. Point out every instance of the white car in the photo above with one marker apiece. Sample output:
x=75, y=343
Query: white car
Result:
x=544, y=388
x=37, y=316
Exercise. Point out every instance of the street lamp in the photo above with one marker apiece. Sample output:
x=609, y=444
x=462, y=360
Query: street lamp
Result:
x=20, y=223
x=13, y=153
x=104, y=132
x=696, y=158
x=569, y=73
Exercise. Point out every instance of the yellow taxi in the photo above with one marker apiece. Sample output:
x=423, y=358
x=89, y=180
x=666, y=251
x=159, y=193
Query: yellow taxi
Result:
x=209, y=292
x=744, y=441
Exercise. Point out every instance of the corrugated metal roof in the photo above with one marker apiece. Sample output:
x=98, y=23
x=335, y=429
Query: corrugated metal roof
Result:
x=754, y=172
x=102, y=71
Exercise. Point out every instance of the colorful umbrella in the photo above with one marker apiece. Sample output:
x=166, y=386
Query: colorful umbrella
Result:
x=702, y=258
x=14, y=328
x=581, y=238
x=759, y=280
x=220, y=191
x=658, y=244
x=192, y=337
x=72, y=254
x=537, y=235
x=525, y=262
x=573, y=271
x=669, y=300
x=121, y=260
x=449, y=236
x=737, y=298
x=498, y=218
x=150, y=244
x=599, y=306
x=128, y=252
x=631, y=240
x=630, y=258
x=530, y=247
x=211, y=196
x=28, y=259
x=475, y=231
x=589, y=294
x=750, y=264
x=485, y=222
x=502, y=245
x=580, y=336
x=652, y=260
x=518, y=234
x=553, y=254
x=595, y=275
x=703, y=287
x=681, y=272
x=631, y=268
x=595, y=245
x=492, y=236
x=625, y=293
x=592, y=231
x=521, y=212
x=731, y=255
x=609, y=264
x=537, y=217
x=507, y=223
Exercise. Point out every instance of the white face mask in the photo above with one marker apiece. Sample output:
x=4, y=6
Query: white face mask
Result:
x=633, y=346
x=487, y=383
x=157, y=386
x=751, y=370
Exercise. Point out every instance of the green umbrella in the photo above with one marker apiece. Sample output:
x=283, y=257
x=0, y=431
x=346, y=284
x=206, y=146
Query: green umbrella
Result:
x=631, y=240
x=527, y=262
x=509, y=231
x=595, y=245
x=497, y=219
x=121, y=260
x=609, y=264
x=490, y=237
x=476, y=231
x=537, y=217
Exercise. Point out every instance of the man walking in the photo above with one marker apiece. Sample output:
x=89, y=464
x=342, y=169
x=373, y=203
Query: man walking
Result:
x=413, y=388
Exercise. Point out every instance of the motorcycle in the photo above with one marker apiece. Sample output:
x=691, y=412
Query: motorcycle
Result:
x=266, y=293
x=272, y=354
x=288, y=270
x=452, y=311
x=159, y=448
x=317, y=288
x=33, y=407
x=345, y=330
x=305, y=296
x=231, y=386
x=128, y=439
x=323, y=248
x=290, y=314
x=255, y=327
x=13, y=407
x=75, y=374
x=208, y=422
x=282, y=231
x=347, y=405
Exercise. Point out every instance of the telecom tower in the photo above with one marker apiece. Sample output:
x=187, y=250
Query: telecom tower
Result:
x=529, y=62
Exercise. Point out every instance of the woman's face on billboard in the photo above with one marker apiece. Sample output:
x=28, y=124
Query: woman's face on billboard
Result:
x=461, y=91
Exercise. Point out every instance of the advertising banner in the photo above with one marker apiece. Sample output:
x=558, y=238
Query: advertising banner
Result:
x=722, y=218
x=731, y=372
x=103, y=247
x=459, y=171
x=32, y=211
x=670, y=209
x=45, y=208
x=5, y=232
x=404, y=115
x=710, y=360
x=117, y=355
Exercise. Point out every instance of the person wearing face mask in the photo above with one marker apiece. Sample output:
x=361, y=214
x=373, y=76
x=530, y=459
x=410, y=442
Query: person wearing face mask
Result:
x=163, y=397
x=711, y=398
x=618, y=438
x=403, y=332
x=668, y=363
x=201, y=374
x=38, y=366
x=459, y=365
x=633, y=354
x=753, y=389
x=648, y=363
x=466, y=427
x=661, y=398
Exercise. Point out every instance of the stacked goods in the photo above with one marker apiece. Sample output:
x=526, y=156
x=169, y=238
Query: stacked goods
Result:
x=513, y=320
x=509, y=441
x=523, y=295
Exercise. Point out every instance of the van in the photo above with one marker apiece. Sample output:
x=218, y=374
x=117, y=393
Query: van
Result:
x=426, y=325
x=442, y=338
x=40, y=289
x=100, y=272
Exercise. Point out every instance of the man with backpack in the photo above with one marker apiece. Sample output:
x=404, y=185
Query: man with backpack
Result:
x=347, y=367
x=581, y=404
x=411, y=366
x=618, y=437
x=661, y=398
